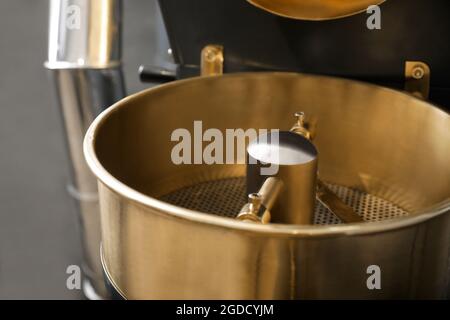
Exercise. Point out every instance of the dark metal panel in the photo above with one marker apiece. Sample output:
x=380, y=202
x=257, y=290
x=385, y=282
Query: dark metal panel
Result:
x=257, y=40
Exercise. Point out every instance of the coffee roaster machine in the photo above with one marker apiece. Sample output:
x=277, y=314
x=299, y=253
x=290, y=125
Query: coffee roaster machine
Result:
x=362, y=186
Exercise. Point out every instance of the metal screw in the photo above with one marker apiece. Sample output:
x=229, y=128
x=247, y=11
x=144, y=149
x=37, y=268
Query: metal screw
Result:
x=254, y=199
x=418, y=72
x=211, y=54
x=300, y=118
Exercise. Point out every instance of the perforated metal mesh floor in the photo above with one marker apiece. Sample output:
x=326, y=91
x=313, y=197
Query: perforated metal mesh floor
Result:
x=226, y=197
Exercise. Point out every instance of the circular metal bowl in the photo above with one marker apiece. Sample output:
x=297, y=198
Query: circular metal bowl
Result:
x=311, y=10
x=371, y=140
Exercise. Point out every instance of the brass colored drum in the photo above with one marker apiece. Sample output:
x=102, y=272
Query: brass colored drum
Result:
x=314, y=9
x=168, y=230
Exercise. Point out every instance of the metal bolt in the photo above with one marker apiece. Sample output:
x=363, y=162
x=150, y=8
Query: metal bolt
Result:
x=210, y=54
x=418, y=72
x=254, y=199
x=300, y=117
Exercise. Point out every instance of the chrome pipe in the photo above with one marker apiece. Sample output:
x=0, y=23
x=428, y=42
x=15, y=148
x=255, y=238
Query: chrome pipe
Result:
x=84, y=34
x=84, y=59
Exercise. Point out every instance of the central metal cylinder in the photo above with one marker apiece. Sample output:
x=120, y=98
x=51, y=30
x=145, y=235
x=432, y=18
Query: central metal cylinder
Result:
x=293, y=159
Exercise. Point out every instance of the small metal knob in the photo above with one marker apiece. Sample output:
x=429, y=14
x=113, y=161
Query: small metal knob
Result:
x=254, y=201
x=258, y=207
x=299, y=126
x=300, y=118
x=418, y=72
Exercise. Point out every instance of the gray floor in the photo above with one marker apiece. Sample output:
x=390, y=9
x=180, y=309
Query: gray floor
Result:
x=38, y=225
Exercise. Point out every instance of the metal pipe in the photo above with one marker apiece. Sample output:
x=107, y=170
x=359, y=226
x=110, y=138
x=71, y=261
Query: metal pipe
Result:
x=260, y=204
x=293, y=160
x=84, y=59
x=324, y=195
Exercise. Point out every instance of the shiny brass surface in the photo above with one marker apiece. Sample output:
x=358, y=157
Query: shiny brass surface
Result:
x=253, y=211
x=313, y=9
x=259, y=205
x=327, y=197
x=417, y=79
x=295, y=160
x=211, y=60
x=270, y=191
x=332, y=202
x=377, y=140
x=299, y=127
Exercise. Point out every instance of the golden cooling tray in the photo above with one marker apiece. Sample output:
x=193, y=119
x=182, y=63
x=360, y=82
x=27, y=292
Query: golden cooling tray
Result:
x=314, y=9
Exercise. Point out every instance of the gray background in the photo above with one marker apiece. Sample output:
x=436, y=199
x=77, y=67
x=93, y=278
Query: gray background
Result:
x=38, y=223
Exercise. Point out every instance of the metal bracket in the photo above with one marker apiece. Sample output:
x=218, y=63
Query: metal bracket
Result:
x=417, y=79
x=212, y=60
